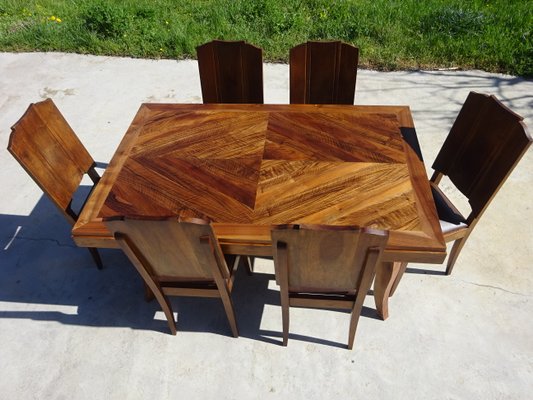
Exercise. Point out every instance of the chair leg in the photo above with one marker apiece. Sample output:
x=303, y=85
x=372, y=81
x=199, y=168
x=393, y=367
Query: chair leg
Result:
x=228, y=307
x=285, y=318
x=454, y=253
x=249, y=262
x=96, y=257
x=401, y=271
x=167, y=309
x=354, y=319
x=149, y=282
x=282, y=279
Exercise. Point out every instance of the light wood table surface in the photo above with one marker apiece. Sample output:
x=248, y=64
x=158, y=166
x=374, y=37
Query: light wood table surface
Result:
x=248, y=167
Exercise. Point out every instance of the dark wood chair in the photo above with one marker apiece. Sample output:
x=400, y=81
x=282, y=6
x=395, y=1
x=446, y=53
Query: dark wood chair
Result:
x=325, y=267
x=48, y=149
x=230, y=72
x=486, y=142
x=177, y=258
x=323, y=73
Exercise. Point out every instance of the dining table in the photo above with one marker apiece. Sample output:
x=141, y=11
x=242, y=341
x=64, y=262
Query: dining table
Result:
x=249, y=167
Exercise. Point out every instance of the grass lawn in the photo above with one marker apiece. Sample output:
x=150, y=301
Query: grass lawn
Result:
x=493, y=35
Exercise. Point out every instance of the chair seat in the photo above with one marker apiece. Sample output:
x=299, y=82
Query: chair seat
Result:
x=446, y=211
x=448, y=227
x=409, y=135
x=485, y=143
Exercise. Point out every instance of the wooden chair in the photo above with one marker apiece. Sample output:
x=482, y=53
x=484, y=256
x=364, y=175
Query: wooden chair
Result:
x=325, y=267
x=485, y=143
x=177, y=259
x=323, y=73
x=230, y=72
x=48, y=149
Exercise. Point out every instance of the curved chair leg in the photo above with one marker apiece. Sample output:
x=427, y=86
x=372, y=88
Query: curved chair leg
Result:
x=149, y=282
x=167, y=309
x=96, y=257
x=164, y=302
x=454, y=253
x=402, y=266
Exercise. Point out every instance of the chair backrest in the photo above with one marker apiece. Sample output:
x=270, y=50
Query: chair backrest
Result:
x=230, y=72
x=323, y=73
x=328, y=259
x=48, y=149
x=484, y=145
x=171, y=250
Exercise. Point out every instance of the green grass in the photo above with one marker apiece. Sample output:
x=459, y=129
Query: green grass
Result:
x=493, y=35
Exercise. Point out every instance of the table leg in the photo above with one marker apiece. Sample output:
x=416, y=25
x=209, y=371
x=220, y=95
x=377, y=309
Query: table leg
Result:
x=401, y=270
x=386, y=274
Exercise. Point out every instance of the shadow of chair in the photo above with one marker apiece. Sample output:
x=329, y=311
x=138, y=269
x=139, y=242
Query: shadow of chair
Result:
x=486, y=142
x=48, y=149
x=177, y=259
x=325, y=267
x=230, y=72
x=323, y=73
x=64, y=289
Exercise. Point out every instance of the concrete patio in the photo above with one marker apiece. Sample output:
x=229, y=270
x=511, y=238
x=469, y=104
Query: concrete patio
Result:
x=70, y=331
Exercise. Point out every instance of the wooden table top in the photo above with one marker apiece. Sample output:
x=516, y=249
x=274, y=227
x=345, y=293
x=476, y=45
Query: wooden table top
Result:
x=248, y=167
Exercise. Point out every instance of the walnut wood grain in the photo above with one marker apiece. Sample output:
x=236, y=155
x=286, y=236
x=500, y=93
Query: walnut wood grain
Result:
x=47, y=148
x=248, y=167
x=486, y=142
x=322, y=266
x=323, y=73
x=230, y=72
x=177, y=258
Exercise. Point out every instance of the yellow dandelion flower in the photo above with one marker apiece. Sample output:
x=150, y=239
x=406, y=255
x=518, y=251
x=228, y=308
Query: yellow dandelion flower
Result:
x=58, y=20
x=52, y=18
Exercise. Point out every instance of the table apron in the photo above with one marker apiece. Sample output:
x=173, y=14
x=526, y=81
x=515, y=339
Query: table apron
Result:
x=265, y=249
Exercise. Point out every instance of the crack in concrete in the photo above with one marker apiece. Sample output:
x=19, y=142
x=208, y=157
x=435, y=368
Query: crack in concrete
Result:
x=496, y=287
x=57, y=242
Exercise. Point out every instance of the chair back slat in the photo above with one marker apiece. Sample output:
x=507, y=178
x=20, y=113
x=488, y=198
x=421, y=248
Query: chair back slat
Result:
x=230, y=72
x=49, y=150
x=173, y=251
x=484, y=145
x=326, y=259
x=323, y=73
